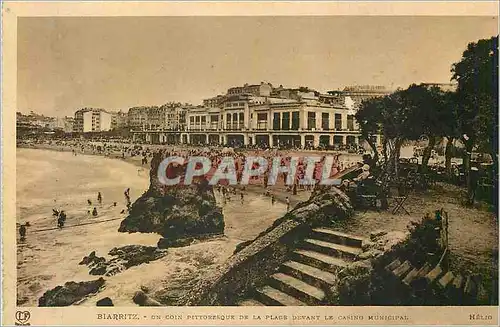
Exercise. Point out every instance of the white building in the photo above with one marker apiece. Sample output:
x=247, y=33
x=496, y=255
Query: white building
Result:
x=92, y=120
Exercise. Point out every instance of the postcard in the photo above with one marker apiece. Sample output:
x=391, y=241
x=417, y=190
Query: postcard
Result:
x=250, y=163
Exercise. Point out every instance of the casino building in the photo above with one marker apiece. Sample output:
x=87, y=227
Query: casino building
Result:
x=264, y=115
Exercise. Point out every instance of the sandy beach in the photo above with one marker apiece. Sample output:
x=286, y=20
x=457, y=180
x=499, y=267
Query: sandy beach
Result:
x=49, y=256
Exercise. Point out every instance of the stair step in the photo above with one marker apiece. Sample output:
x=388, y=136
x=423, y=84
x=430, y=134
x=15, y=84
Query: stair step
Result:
x=343, y=251
x=410, y=277
x=334, y=236
x=444, y=281
x=403, y=269
x=297, y=288
x=273, y=297
x=419, y=282
x=433, y=274
x=308, y=274
x=319, y=260
x=393, y=265
x=250, y=303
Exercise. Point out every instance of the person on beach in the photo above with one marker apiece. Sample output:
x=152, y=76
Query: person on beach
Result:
x=241, y=197
x=94, y=212
x=89, y=202
x=273, y=199
x=287, y=204
x=99, y=198
x=61, y=219
x=22, y=232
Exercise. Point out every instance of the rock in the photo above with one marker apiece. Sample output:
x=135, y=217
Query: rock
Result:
x=105, y=302
x=143, y=300
x=70, y=293
x=376, y=234
x=371, y=253
x=175, y=212
x=366, y=245
x=165, y=243
x=125, y=257
x=91, y=259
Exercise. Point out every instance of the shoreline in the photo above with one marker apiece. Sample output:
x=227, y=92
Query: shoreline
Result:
x=70, y=149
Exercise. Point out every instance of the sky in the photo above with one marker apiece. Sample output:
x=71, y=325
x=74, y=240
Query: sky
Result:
x=66, y=63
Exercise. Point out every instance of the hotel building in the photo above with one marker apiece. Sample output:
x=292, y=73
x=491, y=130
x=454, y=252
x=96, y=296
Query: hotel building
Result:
x=262, y=115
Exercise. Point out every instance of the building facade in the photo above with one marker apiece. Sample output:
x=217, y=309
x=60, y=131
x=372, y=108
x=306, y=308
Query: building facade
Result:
x=119, y=119
x=262, y=116
x=91, y=120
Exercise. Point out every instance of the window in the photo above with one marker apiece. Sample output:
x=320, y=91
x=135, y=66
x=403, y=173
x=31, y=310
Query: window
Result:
x=241, y=117
x=285, y=122
x=295, y=120
x=197, y=119
x=325, y=117
x=338, y=122
x=276, y=121
x=203, y=119
x=262, y=116
x=350, y=122
x=228, y=118
x=311, y=120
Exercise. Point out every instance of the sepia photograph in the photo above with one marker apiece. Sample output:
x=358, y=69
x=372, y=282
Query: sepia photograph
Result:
x=256, y=161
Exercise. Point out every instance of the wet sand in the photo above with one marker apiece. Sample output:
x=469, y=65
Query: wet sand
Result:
x=50, y=179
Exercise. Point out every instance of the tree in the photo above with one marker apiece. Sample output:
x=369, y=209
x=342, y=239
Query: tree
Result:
x=369, y=120
x=477, y=95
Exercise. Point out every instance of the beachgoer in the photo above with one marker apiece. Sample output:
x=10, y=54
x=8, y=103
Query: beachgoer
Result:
x=272, y=199
x=89, y=202
x=22, y=232
x=241, y=197
x=287, y=204
x=364, y=174
x=99, y=198
x=94, y=212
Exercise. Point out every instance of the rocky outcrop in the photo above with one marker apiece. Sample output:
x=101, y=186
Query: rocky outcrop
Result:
x=124, y=258
x=105, y=302
x=175, y=212
x=70, y=293
x=142, y=299
x=256, y=260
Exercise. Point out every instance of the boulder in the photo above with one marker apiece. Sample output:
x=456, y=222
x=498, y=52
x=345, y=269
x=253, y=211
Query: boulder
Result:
x=105, y=302
x=70, y=293
x=175, y=212
x=140, y=298
x=125, y=257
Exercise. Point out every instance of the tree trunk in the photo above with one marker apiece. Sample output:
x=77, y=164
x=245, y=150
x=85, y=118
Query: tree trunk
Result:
x=427, y=153
x=374, y=147
x=466, y=162
x=384, y=150
x=448, y=154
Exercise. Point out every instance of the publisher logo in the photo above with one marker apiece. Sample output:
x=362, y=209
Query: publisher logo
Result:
x=22, y=318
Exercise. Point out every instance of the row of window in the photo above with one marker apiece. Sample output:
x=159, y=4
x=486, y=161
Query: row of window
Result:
x=281, y=121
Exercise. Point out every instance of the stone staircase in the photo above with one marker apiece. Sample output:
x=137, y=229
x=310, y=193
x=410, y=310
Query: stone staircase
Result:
x=437, y=281
x=306, y=278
